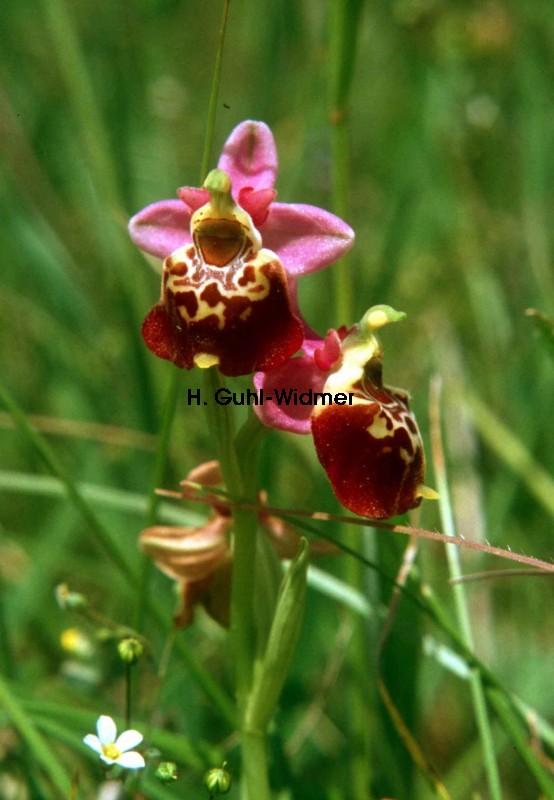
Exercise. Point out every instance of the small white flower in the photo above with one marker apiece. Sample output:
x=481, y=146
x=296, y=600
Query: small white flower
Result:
x=114, y=750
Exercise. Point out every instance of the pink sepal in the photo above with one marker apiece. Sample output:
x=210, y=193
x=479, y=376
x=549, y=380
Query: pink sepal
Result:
x=161, y=228
x=306, y=238
x=299, y=374
x=249, y=156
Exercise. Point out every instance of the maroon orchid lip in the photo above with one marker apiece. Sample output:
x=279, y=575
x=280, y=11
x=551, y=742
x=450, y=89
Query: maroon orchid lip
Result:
x=372, y=454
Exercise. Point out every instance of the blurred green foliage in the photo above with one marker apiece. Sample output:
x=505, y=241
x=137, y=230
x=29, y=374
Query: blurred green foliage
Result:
x=103, y=110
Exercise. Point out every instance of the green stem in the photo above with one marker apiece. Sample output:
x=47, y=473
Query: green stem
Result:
x=460, y=600
x=254, y=759
x=241, y=483
x=128, y=694
x=242, y=603
x=343, y=24
x=212, y=112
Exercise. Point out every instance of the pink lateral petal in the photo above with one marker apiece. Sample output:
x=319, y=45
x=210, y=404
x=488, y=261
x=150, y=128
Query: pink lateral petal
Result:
x=256, y=202
x=194, y=198
x=305, y=238
x=299, y=374
x=328, y=355
x=161, y=228
x=250, y=156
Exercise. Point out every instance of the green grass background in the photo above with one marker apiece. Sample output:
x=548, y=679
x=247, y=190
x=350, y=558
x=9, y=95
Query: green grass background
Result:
x=103, y=109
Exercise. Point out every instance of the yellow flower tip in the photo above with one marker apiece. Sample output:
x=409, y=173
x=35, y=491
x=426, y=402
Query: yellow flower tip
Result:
x=426, y=492
x=206, y=360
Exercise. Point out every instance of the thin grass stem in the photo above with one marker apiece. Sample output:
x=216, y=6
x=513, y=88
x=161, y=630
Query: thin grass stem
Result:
x=212, y=111
x=460, y=600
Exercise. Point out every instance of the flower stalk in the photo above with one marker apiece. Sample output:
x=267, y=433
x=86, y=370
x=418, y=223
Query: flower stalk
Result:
x=228, y=305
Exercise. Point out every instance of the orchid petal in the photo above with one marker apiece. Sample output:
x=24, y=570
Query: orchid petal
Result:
x=256, y=202
x=296, y=374
x=329, y=354
x=93, y=742
x=128, y=739
x=132, y=760
x=161, y=228
x=249, y=156
x=306, y=238
x=194, y=198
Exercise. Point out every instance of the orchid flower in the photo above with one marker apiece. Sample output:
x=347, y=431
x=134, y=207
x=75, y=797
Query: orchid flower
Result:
x=114, y=749
x=371, y=448
x=200, y=558
x=232, y=258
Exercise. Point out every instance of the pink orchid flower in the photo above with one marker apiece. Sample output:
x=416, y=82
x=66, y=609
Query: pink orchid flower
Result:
x=232, y=258
x=365, y=435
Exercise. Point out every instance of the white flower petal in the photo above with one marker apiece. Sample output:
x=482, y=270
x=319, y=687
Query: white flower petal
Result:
x=93, y=741
x=128, y=739
x=132, y=760
x=105, y=727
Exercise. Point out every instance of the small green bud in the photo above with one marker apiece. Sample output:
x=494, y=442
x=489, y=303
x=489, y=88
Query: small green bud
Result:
x=130, y=650
x=68, y=600
x=217, y=780
x=167, y=772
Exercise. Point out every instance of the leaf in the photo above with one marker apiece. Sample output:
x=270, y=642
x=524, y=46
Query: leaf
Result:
x=273, y=669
